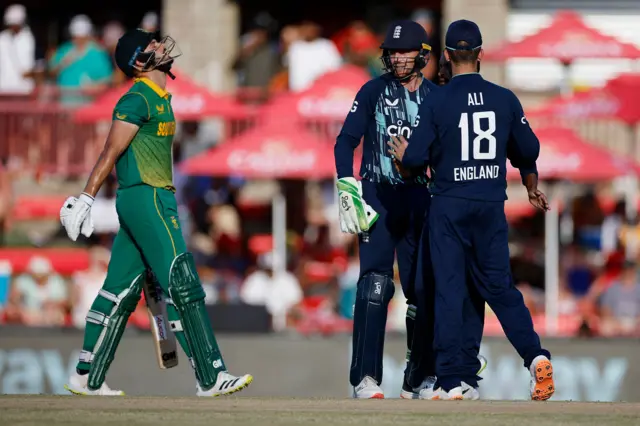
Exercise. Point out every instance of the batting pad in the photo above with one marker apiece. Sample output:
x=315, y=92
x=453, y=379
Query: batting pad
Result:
x=188, y=296
x=114, y=325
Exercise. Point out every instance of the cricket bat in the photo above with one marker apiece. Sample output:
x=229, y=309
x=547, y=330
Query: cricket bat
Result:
x=163, y=338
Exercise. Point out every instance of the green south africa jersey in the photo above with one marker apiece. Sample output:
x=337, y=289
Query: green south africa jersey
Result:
x=148, y=159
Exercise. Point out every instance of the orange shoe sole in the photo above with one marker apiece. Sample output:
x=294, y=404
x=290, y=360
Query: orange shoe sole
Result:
x=377, y=396
x=545, y=387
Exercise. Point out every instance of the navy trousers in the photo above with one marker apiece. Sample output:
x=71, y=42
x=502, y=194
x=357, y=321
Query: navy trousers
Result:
x=471, y=237
x=423, y=364
x=396, y=234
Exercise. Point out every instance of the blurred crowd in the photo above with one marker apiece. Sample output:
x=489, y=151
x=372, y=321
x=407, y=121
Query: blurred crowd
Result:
x=227, y=221
x=599, y=277
x=270, y=60
x=74, y=72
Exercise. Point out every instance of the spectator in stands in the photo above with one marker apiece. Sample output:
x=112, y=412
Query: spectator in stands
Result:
x=362, y=48
x=579, y=272
x=103, y=212
x=630, y=238
x=86, y=284
x=17, y=53
x=6, y=201
x=533, y=297
x=610, y=230
x=111, y=33
x=81, y=66
x=620, y=304
x=349, y=282
x=280, y=82
x=280, y=293
x=310, y=57
x=5, y=280
x=258, y=62
x=39, y=297
x=150, y=22
x=587, y=216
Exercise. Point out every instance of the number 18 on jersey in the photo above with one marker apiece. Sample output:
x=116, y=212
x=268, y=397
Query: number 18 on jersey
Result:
x=482, y=126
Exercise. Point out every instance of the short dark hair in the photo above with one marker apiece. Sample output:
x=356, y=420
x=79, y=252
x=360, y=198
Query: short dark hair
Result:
x=463, y=55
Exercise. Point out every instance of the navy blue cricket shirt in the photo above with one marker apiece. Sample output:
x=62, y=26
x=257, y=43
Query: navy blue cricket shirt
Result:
x=468, y=130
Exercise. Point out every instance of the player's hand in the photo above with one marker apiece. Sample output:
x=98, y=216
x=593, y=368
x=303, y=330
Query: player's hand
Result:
x=406, y=174
x=75, y=216
x=355, y=215
x=398, y=145
x=538, y=200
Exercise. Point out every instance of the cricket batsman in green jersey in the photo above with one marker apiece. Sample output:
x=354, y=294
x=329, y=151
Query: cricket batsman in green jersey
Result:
x=139, y=145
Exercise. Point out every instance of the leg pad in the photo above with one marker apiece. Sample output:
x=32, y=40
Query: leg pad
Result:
x=188, y=296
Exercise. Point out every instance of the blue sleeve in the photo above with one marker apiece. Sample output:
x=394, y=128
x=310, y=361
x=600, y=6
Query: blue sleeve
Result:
x=423, y=135
x=353, y=128
x=524, y=147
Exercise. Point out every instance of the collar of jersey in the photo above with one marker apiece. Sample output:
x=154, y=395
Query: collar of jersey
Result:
x=466, y=73
x=160, y=92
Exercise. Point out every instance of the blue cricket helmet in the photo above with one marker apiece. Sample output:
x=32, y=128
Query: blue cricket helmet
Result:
x=405, y=35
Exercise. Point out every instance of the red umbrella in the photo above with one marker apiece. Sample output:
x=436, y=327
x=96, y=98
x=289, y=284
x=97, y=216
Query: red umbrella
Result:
x=618, y=99
x=268, y=152
x=330, y=98
x=564, y=155
x=189, y=100
x=567, y=38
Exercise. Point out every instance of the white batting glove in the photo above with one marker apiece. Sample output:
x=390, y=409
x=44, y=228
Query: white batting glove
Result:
x=75, y=216
x=356, y=215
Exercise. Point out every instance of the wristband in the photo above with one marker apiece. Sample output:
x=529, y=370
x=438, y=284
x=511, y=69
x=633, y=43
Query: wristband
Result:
x=86, y=198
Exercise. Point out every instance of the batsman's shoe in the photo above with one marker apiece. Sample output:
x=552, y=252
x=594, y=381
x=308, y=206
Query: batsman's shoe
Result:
x=414, y=393
x=459, y=393
x=226, y=384
x=542, y=386
x=469, y=393
x=368, y=389
x=78, y=386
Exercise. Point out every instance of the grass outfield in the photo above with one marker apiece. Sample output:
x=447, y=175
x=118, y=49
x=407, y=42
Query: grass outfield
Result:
x=97, y=411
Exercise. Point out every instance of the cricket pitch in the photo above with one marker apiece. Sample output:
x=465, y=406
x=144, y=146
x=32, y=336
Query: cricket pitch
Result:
x=98, y=411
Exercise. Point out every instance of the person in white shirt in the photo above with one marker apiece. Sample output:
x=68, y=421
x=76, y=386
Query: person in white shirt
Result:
x=150, y=22
x=103, y=211
x=17, y=53
x=86, y=284
x=310, y=57
x=277, y=292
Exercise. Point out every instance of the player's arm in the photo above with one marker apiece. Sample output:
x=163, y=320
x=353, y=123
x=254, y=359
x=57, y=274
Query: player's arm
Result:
x=524, y=147
x=526, y=168
x=352, y=130
x=523, y=150
x=416, y=153
x=131, y=112
x=355, y=215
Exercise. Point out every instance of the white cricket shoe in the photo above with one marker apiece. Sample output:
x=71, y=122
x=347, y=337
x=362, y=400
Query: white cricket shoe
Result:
x=368, y=389
x=542, y=385
x=415, y=392
x=463, y=392
x=433, y=394
x=226, y=384
x=469, y=393
x=78, y=386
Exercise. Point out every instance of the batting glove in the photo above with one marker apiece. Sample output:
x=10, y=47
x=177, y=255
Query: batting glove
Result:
x=75, y=216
